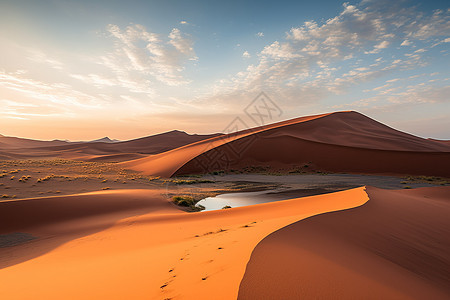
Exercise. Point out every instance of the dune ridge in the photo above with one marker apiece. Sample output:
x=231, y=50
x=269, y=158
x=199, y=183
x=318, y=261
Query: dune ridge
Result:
x=164, y=253
x=99, y=150
x=393, y=247
x=339, y=142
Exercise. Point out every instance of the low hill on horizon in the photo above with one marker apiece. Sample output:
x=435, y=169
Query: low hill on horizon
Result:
x=102, y=150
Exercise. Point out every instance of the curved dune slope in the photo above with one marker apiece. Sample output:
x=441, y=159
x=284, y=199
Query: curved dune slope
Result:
x=56, y=220
x=338, y=142
x=163, y=254
x=396, y=246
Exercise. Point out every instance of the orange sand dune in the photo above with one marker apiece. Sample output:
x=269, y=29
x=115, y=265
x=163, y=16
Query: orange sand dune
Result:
x=163, y=254
x=396, y=246
x=63, y=218
x=337, y=142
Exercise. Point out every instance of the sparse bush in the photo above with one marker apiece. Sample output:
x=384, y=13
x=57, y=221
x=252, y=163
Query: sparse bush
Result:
x=24, y=178
x=187, y=181
x=187, y=201
x=226, y=207
x=46, y=178
x=183, y=200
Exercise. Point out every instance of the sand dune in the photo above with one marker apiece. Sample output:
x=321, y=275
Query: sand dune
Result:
x=162, y=254
x=100, y=151
x=337, y=142
x=393, y=247
x=8, y=142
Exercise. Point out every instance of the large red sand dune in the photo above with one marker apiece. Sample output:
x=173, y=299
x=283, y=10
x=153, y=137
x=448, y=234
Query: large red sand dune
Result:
x=396, y=246
x=337, y=142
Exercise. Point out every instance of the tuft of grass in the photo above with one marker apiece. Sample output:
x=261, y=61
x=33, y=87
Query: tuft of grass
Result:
x=187, y=201
x=406, y=187
x=106, y=188
x=4, y=196
x=46, y=178
x=226, y=207
x=183, y=200
x=190, y=181
x=24, y=178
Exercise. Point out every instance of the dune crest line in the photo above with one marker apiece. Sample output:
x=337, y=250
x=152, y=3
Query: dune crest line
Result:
x=162, y=254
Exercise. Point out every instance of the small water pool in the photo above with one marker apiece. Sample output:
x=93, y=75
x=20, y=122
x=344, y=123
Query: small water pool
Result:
x=251, y=198
x=239, y=199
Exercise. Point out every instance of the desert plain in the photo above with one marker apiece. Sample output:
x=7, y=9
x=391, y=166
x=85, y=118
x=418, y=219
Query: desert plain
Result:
x=345, y=208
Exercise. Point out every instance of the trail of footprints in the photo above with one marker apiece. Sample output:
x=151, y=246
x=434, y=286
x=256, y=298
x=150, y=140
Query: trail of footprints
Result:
x=172, y=271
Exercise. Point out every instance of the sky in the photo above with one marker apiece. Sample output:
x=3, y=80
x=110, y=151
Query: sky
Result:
x=82, y=70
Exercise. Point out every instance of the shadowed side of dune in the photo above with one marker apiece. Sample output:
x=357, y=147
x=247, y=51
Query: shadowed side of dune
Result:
x=393, y=247
x=285, y=151
x=53, y=221
x=336, y=142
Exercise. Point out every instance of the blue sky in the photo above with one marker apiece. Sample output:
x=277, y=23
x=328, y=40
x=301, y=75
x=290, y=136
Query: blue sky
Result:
x=86, y=69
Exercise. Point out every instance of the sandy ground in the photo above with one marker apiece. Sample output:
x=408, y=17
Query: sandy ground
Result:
x=42, y=178
x=95, y=229
x=395, y=246
x=162, y=254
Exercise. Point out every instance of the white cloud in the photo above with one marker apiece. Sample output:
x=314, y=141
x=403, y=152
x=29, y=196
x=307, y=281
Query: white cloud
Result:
x=426, y=27
x=38, y=98
x=145, y=58
x=183, y=23
x=260, y=34
x=406, y=43
x=182, y=43
x=246, y=54
x=310, y=59
x=377, y=48
x=41, y=57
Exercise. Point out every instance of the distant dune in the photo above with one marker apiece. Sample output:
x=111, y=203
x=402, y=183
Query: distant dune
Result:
x=8, y=142
x=104, y=150
x=336, y=142
x=447, y=142
x=395, y=246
